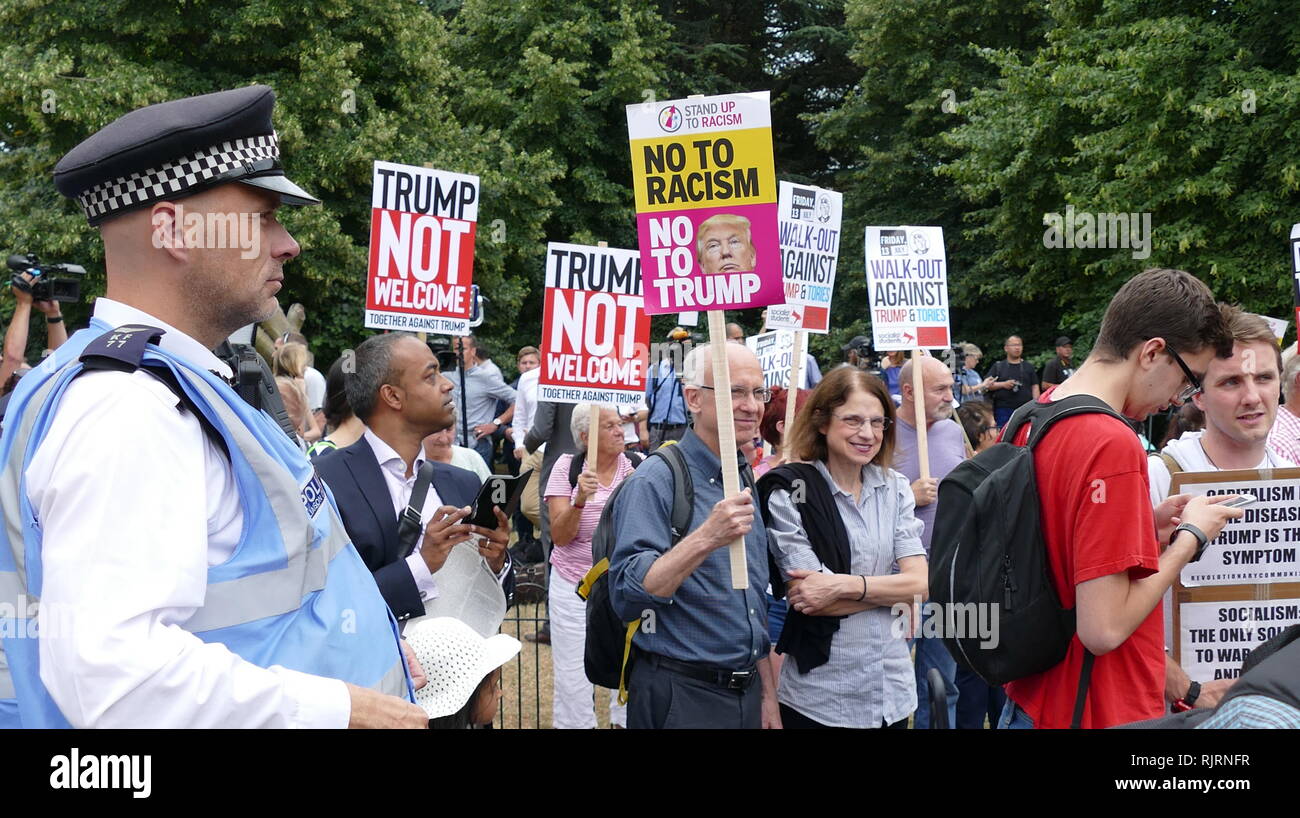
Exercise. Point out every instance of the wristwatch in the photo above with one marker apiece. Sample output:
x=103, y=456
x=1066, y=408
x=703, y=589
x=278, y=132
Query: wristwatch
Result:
x=496, y=421
x=1201, y=539
x=1188, y=701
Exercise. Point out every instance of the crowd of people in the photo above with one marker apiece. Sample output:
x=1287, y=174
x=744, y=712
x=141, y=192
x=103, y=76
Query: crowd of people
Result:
x=276, y=583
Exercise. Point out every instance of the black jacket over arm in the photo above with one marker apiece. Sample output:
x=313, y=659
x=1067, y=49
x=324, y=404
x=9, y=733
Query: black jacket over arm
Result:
x=808, y=638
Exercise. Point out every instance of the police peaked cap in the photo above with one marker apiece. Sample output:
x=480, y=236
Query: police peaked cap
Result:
x=176, y=149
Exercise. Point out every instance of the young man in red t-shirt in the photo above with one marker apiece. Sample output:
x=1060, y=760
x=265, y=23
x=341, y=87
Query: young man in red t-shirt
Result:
x=1103, y=539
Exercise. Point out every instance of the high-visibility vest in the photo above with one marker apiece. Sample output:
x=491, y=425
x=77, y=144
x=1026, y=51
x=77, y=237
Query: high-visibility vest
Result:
x=295, y=593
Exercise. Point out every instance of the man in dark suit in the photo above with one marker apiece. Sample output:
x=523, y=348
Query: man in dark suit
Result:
x=400, y=394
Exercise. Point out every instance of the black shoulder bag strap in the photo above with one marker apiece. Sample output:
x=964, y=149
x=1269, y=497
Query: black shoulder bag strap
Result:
x=408, y=525
x=683, y=491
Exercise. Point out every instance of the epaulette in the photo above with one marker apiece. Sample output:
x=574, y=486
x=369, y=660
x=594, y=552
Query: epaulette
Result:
x=121, y=349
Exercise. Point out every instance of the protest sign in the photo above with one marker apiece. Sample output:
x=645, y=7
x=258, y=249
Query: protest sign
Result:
x=1215, y=637
x=1260, y=547
x=422, y=227
x=775, y=353
x=810, y=246
x=1278, y=325
x=595, y=334
x=1295, y=271
x=706, y=201
x=907, y=287
x=1247, y=583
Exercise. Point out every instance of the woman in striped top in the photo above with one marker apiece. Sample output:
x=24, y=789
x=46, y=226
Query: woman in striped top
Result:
x=575, y=509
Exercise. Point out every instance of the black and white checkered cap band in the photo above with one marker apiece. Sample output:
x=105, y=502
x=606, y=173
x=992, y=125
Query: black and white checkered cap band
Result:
x=174, y=177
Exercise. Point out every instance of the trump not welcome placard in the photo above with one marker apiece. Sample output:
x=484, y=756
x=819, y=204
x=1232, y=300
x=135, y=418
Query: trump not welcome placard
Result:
x=595, y=336
x=422, y=224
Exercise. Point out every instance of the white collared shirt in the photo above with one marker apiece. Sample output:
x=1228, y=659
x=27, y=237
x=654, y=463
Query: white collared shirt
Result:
x=136, y=503
x=393, y=467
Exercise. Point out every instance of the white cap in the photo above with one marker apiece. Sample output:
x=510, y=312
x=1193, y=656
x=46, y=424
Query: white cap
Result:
x=455, y=658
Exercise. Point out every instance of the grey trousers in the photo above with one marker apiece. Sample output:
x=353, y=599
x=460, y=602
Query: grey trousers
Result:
x=659, y=699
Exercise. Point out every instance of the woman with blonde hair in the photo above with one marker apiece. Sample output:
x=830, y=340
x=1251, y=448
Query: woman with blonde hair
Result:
x=290, y=361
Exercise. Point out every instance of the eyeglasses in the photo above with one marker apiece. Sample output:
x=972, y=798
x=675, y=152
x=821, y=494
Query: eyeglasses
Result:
x=738, y=393
x=856, y=422
x=1194, y=383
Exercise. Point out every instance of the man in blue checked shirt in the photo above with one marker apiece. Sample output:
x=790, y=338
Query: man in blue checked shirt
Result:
x=704, y=650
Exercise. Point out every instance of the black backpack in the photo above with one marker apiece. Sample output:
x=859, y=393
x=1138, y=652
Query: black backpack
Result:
x=988, y=548
x=608, y=652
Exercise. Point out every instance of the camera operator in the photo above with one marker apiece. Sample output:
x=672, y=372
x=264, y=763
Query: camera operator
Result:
x=15, y=351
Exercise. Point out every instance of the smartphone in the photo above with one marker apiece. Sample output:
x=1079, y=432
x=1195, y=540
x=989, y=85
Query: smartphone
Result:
x=499, y=490
x=1241, y=501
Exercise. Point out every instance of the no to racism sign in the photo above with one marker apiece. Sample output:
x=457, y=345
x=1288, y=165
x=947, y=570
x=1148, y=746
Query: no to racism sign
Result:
x=595, y=334
x=706, y=202
x=422, y=225
x=810, y=247
x=907, y=286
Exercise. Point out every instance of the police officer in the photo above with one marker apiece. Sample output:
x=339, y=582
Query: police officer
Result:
x=183, y=563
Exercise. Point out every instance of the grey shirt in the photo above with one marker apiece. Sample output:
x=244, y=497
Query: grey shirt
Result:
x=483, y=388
x=869, y=678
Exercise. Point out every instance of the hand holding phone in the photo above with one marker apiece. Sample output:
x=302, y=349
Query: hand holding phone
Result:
x=1240, y=501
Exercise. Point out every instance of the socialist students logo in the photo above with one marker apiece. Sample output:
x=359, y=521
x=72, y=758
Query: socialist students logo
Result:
x=670, y=118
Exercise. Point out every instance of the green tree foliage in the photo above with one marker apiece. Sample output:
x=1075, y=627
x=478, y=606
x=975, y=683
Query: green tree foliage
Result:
x=979, y=117
x=1181, y=110
x=918, y=64
x=355, y=81
x=553, y=78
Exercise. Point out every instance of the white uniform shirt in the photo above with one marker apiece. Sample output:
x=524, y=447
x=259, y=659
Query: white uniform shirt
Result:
x=135, y=503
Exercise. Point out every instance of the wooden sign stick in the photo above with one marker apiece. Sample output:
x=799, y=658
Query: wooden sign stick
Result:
x=727, y=437
x=797, y=361
x=918, y=398
x=593, y=425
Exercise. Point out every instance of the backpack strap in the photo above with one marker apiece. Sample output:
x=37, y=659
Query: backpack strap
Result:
x=683, y=491
x=575, y=468
x=1041, y=416
x=1170, y=463
x=1085, y=676
x=580, y=460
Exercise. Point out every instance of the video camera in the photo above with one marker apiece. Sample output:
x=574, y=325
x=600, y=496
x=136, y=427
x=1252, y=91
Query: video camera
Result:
x=46, y=287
